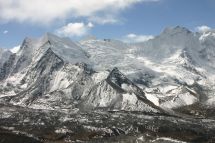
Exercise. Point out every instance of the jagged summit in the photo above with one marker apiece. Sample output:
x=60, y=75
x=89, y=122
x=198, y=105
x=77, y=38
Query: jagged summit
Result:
x=28, y=43
x=171, y=42
x=118, y=79
x=176, y=30
x=117, y=92
x=63, y=47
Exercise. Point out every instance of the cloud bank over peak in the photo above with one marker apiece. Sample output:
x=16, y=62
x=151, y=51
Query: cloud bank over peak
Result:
x=74, y=29
x=203, y=28
x=47, y=11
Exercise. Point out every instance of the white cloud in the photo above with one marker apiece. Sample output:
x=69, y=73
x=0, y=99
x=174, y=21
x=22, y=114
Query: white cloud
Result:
x=203, y=28
x=74, y=29
x=46, y=11
x=90, y=25
x=133, y=38
x=5, y=32
x=104, y=19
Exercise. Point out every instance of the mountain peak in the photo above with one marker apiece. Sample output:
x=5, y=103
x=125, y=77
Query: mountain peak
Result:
x=116, y=76
x=64, y=48
x=175, y=30
x=119, y=80
x=49, y=37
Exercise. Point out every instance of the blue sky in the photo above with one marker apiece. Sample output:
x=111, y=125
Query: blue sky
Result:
x=121, y=19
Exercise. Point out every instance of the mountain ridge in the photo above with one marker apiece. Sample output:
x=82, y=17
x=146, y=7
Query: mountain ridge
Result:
x=179, y=60
x=56, y=90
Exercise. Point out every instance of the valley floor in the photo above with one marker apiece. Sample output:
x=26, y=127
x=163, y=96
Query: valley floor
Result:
x=24, y=125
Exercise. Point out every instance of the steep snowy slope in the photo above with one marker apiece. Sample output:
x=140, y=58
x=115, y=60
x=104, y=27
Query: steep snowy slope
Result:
x=174, y=46
x=53, y=72
x=182, y=55
x=207, y=40
x=32, y=50
x=172, y=70
x=36, y=61
x=168, y=43
x=119, y=93
x=168, y=66
x=6, y=59
x=179, y=46
x=105, y=53
x=44, y=66
x=4, y=56
x=62, y=87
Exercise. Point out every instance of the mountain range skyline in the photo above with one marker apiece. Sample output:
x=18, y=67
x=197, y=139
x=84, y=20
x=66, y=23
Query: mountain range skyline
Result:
x=161, y=90
x=132, y=21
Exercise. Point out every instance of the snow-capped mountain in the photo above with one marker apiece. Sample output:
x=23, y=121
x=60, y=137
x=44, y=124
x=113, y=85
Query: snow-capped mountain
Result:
x=53, y=72
x=168, y=67
x=174, y=69
x=117, y=92
x=55, y=90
